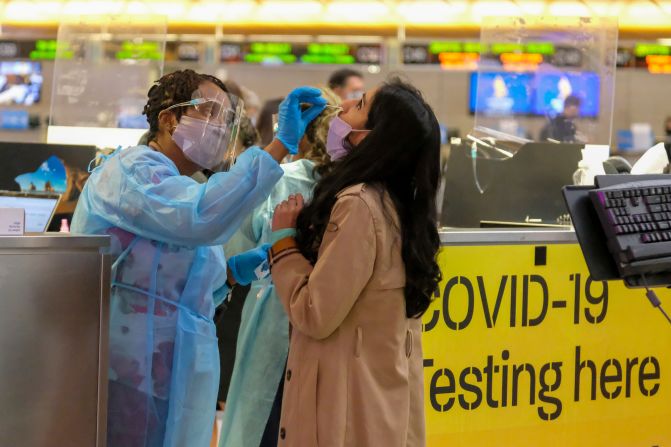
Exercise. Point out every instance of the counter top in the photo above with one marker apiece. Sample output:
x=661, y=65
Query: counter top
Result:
x=448, y=236
x=504, y=236
x=54, y=240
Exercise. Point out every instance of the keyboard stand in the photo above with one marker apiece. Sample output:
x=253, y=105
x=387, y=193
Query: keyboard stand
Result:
x=602, y=264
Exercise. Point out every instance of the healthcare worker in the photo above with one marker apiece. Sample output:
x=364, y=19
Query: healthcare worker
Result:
x=253, y=404
x=169, y=268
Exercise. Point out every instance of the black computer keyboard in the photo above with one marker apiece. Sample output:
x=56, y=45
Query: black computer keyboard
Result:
x=636, y=218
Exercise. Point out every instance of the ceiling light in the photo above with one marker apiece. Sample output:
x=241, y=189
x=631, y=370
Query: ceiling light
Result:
x=430, y=11
x=492, y=8
x=291, y=11
x=569, y=9
x=644, y=9
x=91, y=7
x=350, y=11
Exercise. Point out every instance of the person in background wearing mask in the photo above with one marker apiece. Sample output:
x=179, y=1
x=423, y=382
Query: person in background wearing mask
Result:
x=254, y=401
x=355, y=270
x=562, y=127
x=169, y=268
x=347, y=83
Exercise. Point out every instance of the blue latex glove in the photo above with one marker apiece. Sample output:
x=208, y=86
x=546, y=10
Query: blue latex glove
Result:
x=250, y=265
x=292, y=121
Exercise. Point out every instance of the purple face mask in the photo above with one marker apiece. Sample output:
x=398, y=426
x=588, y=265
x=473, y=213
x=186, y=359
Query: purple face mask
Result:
x=337, y=145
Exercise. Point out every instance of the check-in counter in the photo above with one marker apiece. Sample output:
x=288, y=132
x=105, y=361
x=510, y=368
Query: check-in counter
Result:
x=523, y=348
x=54, y=305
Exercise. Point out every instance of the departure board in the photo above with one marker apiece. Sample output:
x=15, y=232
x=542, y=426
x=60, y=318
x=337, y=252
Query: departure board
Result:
x=310, y=53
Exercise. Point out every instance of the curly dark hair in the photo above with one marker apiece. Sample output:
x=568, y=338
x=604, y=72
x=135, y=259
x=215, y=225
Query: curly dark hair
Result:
x=248, y=135
x=172, y=89
x=317, y=132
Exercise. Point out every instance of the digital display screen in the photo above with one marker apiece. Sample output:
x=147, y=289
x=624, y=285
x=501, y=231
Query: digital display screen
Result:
x=314, y=53
x=20, y=83
x=38, y=210
x=553, y=88
x=501, y=93
x=507, y=93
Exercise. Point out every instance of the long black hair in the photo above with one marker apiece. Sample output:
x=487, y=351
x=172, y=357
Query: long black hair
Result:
x=402, y=155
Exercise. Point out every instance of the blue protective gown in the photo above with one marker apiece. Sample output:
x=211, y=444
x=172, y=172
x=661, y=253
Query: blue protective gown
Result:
x=263, y=339
x=167, y=234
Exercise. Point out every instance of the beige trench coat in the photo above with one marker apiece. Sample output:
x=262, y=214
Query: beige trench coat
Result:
x=354, y=374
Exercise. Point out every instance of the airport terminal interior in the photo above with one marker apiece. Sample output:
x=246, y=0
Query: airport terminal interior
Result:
x=361, y=223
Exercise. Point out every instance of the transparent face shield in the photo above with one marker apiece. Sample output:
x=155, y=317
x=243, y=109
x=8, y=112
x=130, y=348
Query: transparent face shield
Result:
x=207, y=131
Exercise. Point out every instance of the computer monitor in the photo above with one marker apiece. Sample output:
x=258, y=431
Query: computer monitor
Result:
x=50, y=168
x=552, y=89
x=39, y=208
x=501, y=93
x=20, y=83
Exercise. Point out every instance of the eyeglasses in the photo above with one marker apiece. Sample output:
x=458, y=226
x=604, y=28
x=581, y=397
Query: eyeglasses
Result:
x=209, y=109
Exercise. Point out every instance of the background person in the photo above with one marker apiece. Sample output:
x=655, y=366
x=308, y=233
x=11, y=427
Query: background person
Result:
x=347, y=83
x=562, y=127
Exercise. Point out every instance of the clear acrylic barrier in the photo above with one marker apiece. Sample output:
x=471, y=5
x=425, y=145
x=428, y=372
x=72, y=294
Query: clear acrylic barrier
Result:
x=103, y=69
x=545, y=79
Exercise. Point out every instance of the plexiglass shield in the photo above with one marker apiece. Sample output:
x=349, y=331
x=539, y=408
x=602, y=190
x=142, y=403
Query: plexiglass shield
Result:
x=103, y=68
x=208, y=129
x=545, y=79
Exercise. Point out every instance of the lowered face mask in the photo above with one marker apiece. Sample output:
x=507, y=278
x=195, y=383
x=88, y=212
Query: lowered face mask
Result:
x=201, y=142
x=337, y=145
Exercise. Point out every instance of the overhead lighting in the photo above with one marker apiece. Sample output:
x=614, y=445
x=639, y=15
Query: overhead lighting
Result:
x=535, y=8
x=350, y=11
x=91, y=7
x=200, y=13
x=569, y=9
x=168, y=9
x=29, y=11
x=602, y=8
x=645, y=9
x=495, y=8
x=665, y=5
x=213, y=11
x=137, y=8
x=291, y=11
x=430, y=11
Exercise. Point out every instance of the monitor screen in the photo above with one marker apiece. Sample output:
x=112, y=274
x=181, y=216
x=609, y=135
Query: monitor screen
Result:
x=543, y=94
x=20, y=82
x=501, y=93
x=38, y=210
x=46, y=168
x=553, y=88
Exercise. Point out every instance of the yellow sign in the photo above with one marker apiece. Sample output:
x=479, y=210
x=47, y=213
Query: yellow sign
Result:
x=523, y=348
